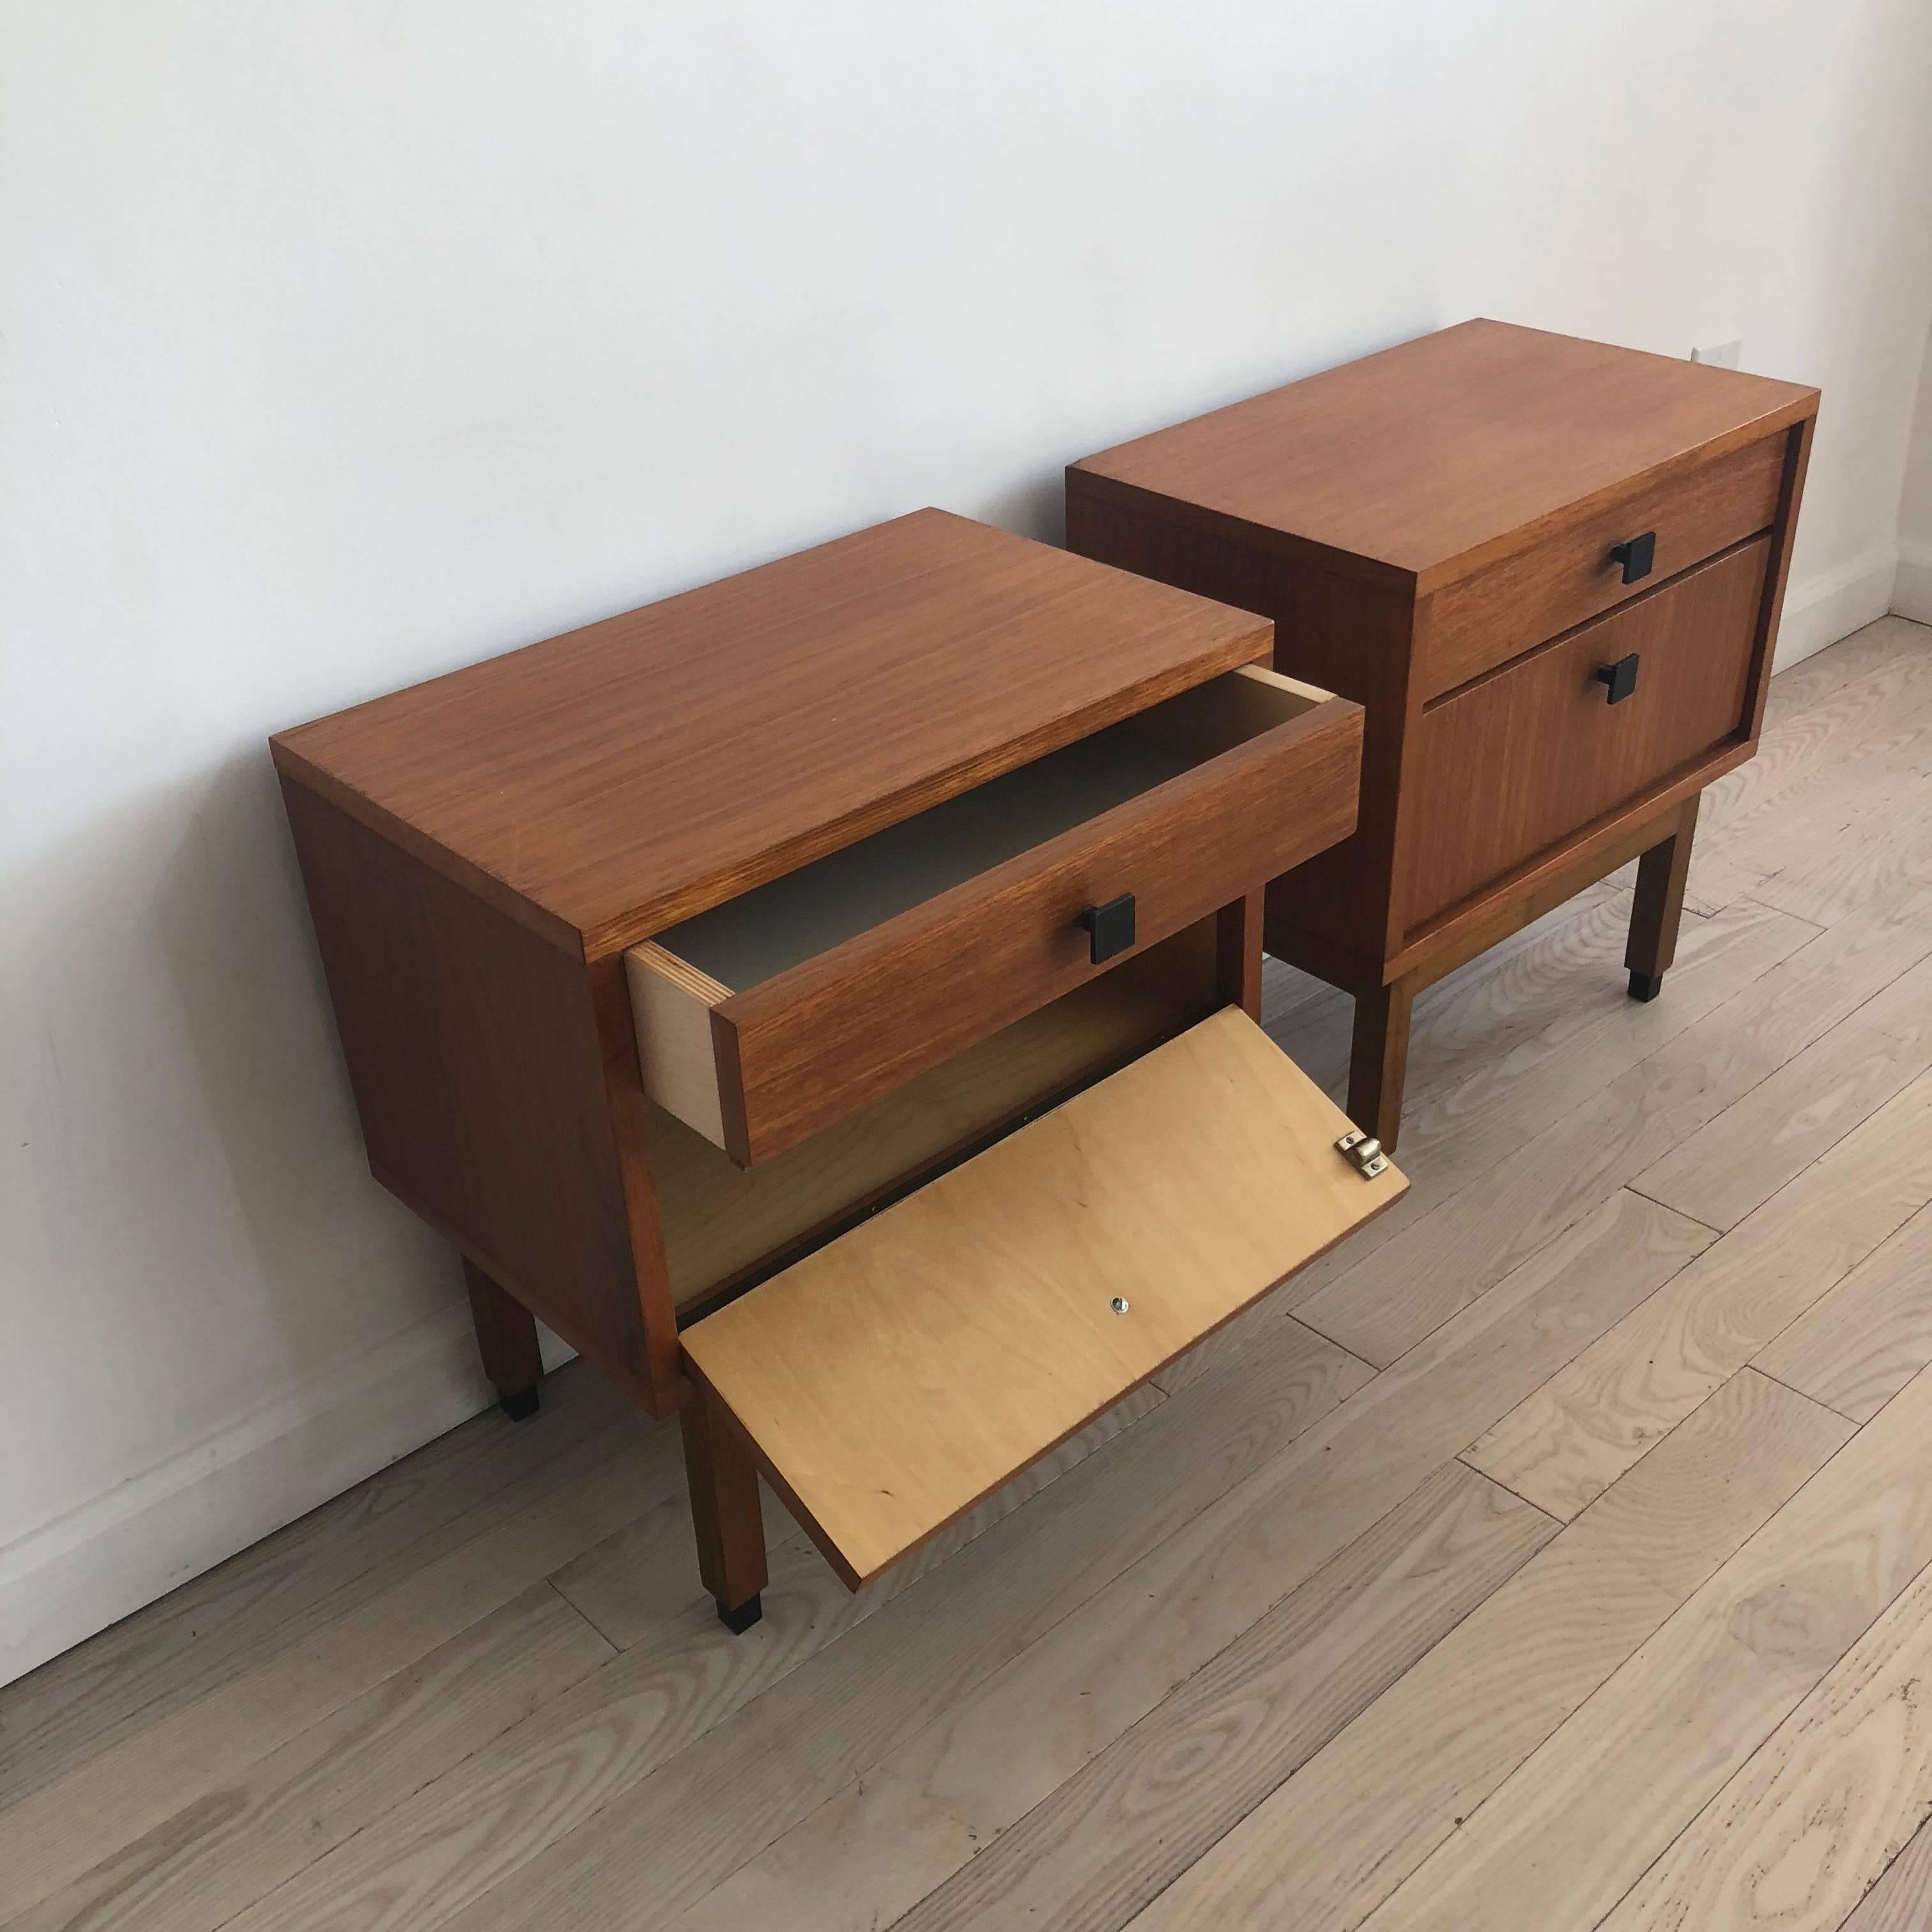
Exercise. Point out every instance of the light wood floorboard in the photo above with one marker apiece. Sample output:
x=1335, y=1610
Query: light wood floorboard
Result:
x=1901, y=1900
x=1568, y=1833
x=1554, y=1554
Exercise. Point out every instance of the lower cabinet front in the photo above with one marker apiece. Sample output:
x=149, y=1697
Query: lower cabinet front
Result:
x=1521, y=758
x=888, y=1382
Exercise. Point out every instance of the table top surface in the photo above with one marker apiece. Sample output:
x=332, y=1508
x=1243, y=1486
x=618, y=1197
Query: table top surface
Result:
x=1430, y=460
x=606, y=783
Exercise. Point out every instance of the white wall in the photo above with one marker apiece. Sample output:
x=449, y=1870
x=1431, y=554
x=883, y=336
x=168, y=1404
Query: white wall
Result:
x=342, y=341
x=1912, y=597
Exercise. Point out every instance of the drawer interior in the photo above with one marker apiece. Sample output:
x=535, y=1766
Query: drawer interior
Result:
x=892, y=1379
x=754, y=937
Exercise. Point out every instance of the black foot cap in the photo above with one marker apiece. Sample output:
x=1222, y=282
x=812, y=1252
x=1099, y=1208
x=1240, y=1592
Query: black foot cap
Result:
x=519, y=1404
x=1645, y=985
x=739, y=1621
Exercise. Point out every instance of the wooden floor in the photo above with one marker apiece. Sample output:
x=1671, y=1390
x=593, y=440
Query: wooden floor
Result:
x=1558, y=1554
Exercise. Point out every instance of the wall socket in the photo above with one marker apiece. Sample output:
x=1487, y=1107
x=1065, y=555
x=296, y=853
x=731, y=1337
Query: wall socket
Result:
x=1719, y=354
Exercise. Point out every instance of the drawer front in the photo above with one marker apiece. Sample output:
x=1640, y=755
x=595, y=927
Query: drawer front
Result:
x=890, y=1381
x=805, y=1048
x=1486, y=620
x=1529, y=756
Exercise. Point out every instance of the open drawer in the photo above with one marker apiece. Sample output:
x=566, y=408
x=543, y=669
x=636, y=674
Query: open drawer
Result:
x=774, y=1014
x=888, y=1382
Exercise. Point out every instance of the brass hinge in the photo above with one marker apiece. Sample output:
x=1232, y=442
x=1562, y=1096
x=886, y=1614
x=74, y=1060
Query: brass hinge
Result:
x=1363, y=1152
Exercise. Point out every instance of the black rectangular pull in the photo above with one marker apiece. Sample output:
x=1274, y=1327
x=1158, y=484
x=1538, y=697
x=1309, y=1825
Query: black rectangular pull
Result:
x=1109, y=927
x=1638, y=557
x=1620, y=676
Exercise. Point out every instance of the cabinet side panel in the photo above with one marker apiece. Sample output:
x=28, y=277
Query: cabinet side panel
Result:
x=474, y=1056
x=1330, y=915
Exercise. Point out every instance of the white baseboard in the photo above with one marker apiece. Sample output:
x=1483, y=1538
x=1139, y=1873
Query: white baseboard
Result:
x=1825, y=608
x=1912, y=595
x=75, y=1575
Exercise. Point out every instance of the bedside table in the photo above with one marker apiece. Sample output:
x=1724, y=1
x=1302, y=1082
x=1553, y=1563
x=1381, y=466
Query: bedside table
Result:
x=1550, y=570
x=827, y=999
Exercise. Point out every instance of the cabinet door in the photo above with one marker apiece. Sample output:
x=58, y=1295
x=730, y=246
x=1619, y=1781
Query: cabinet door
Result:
x=1529, y=755
x=890, y=1381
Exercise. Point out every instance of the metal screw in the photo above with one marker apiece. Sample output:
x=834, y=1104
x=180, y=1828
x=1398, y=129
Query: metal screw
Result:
x=1119, y=1304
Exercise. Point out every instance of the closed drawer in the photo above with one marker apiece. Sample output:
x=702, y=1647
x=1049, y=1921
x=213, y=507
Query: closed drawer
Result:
x=780, y=1011
x=890, y=1381
x=1525, y=757
x=1551, y=585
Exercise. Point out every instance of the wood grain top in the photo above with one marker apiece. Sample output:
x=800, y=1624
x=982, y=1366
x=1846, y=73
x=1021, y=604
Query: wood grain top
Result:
x=606, y=783
x=1426, y=461
x=893, y=1379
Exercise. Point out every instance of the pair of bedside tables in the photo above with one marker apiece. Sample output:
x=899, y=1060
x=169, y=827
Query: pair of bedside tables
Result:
x=828, y=999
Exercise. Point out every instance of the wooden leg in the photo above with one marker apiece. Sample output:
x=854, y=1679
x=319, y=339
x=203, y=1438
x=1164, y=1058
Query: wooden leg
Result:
x=1237, y=954
x=724, y=1511
x=1660, y=874
x=506, y=1337
x=1378, y=1060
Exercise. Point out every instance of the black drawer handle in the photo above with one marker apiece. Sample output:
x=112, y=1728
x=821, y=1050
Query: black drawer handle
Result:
x=1638, y=556
x=1109, y=927
x=1620, y=676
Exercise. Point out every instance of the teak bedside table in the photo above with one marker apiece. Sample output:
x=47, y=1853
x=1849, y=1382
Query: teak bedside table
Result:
x=827, y=999
x=1551, y=571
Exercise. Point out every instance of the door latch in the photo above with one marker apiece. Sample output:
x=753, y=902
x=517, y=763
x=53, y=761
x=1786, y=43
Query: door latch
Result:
x=1363, y=1152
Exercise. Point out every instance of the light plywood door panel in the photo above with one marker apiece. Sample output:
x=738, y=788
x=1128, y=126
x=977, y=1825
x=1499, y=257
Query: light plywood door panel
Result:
x=891, y=1380
x=1588, y=1424
x=1581, y=1821
x=1833, y=1796
x=1370, y=1806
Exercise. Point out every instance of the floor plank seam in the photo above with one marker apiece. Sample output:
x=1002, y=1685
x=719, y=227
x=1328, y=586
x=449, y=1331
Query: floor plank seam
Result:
x=1792, y=1388
x=1463, y=1457
x=1717, y=1233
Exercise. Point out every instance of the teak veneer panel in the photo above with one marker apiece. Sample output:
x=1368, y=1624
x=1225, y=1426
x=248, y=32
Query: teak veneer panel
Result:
x=889, y=1382
x=1552, y=755
x=1423, y=464
x=607, y=783
x=1514, y=604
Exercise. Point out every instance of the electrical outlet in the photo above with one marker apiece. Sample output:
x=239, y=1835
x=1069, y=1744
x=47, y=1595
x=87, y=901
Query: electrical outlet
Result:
x=1719, y=354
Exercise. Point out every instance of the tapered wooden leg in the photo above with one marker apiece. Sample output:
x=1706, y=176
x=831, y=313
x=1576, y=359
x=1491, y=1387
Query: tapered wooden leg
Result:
x=1237, y=954
x=1660, y=875
x=506, y=1337
x=724, y=1511
x=1378, y=1060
